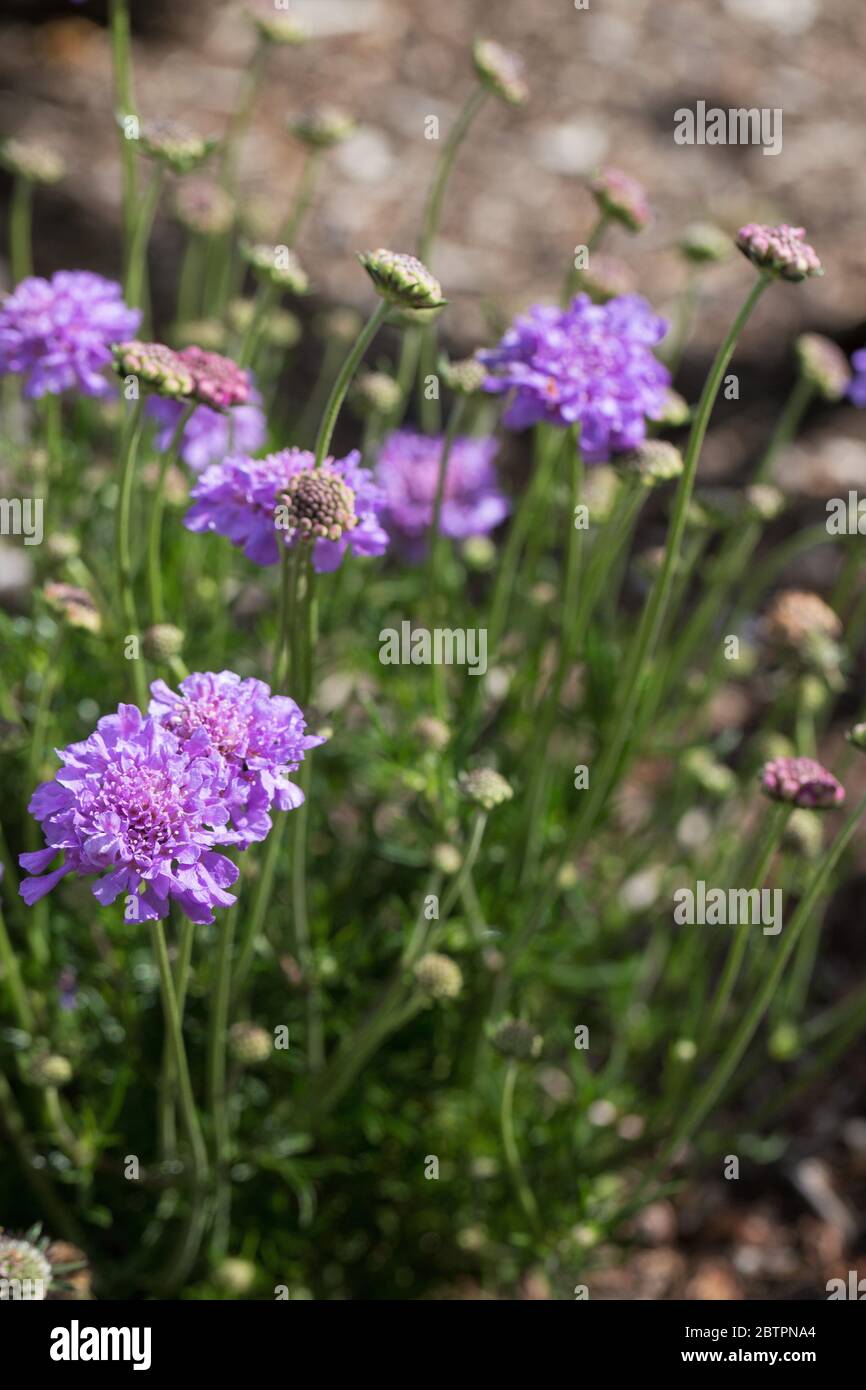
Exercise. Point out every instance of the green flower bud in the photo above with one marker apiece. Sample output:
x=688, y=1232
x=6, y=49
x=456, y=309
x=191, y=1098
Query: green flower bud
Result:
x=249, y=1044
x=703, y=243
x=516, y=1039
x=446, y=858
x=500, y=71
x=323, y=127
x=49, y=1069
x=178, y=149
x=402, y=279
x=163, y=641
x=655, y=461
x=465, y=378
x=276, y=265
x=824, y=365
x=31, y=160
x=375, y=393
x=438, y=976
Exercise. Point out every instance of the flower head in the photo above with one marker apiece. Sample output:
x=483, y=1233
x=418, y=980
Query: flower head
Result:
x=260, y=738
x=517, y=1040
x=824, y=365
x=402, y=279
x=802, y=782
x=257, y=506
x=178, y=149
x=58, y=333
x=408, y=473
x=31, y=160
x=163, y=641
x=589, y=365
x=26, y=1262
x=486, y=787
x=75, y=606
x=621, y=197
x=654, y=461
x=857, y=389
x=158, y=366
x=210, y=435
x=202, y=206
x=782, y=250
x=141, y=812
x=465, y=377
x=500, y=71
x=703, y=243
x=277, y=265
x=322, y=127
x=250, y=1044
x=218, y=382
x=438, y=976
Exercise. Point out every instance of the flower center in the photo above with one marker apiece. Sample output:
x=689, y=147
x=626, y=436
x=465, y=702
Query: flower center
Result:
x=319, y=504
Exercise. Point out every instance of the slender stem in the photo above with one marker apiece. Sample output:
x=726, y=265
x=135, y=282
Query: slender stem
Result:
x=171, y=1014
x=435, y=546
x=136, y=270
x=574, y=275
x=303, y=197
x=509, y=1144
x=124, y=104
x=11, y=973
x=476, y=835
x=20, y=229
x=154, y=535
x=216, y=1065
x=265, y=299
x=123, y=544
x=190, y=282
x=344, y=380
x=457, y=134
x=303, y=940
x=243, y=111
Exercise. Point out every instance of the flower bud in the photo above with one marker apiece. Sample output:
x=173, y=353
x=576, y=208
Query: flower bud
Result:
x=653, y=462
x=703, y=243
x=158, y=366
x=781, y=251
x=446, y=858
x=402, y=279
x=49, y=1069
x=178, y=149
x=621, y=198
x=801, y=782
x=31, y=160
x=323, y=127
x=234, y=1275
x=249, y=1044
x=163, y=641
x=203, y=207
x=824, y=365
x=516, y=1039
x=764, y=502
x=676, y=412
x=375, y=393
x=804, y=833
x=276, y=265
x=438, y=976
x=75, y=606
x=606, y=277
x=479, y=552
x=464, y=378
x=500, y=71
x=432, y=731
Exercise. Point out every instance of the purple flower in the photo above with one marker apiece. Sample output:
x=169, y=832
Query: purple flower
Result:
x=802, y=782
x=408, y=471
x=209, y=435
x=261, y=737
x=141, y=811
x=857, y=389
x=589, y=365
x=256, y=501
x=58, y=333
x=781, y=250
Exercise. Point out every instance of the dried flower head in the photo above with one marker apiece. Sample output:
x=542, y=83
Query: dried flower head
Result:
x=824, y=365
x=58, y=333
x=801, y=782
x=156, y=365
x=276, y=265
x=502, y=72
x=203, y=207
x=26, y=1263
x=781, y=251
x=402, y=279
x=31, y=160
x=249, y=1044
x=486, y=787
x=322, y=127
x=654, y=461
x=75, y=606
x=171, y=144
x=438, y=976
x=622, y=198
x=518, y=1040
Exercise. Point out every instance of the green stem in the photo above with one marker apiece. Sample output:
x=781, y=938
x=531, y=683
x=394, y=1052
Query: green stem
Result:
x=136, y=269
x=12, y=976
x=243, y=111
x=123, y=544
x=21, y=229
x=457, y=134
x=303, y=197
x=124, y=106
x=216, y=1066
x=435, y=541
x=174, y=1033
x=509, y=1144
x=154, y=535
x=574, y=275
x=344, y=380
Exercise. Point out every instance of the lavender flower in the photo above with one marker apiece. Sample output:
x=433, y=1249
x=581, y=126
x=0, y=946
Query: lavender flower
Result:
x=251, y=501
x=802, y=782
x=781, y=250
x=408, y=472
x=141, y=812
x=58, y=333
x=589, y=365
x=261, y=737
x=209, y=435
x=857, y=389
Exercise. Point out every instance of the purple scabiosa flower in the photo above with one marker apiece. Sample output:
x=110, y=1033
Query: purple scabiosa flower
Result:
x=802, y=782
x=781, y=250
x=261, y=737
x=58, y=333
x=209, y=435
x=589, y=365
x=218, y=382
x=283, y=498
x=857, y=389
x=141, y=811
x=408, y=472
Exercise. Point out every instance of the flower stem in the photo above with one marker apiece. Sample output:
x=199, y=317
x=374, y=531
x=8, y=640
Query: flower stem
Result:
x=124, y=107
x=136, y=270
x=240, y=119
x=509, y=1144
x=154, y=536
x=303, y=197
x=571, y=284
x=171, y=1015
x=216, y=1065
x=20, y=230
x=15, y=985
x=344, y=380
x=435, y=546
x=457, y=134
x=122, y=544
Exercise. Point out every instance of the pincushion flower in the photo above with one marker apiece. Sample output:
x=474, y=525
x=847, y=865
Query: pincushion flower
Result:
x=857, y=389
x=141, y=812
x=802, y=782
x=781, y=251
x=589, y=365
x=408, y=472
x=218, y=382
x=209, y=435
x=58, y=333
x=259, y=504
x=261, y=737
